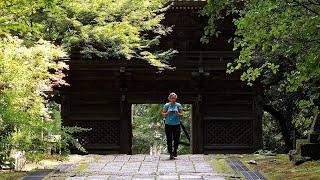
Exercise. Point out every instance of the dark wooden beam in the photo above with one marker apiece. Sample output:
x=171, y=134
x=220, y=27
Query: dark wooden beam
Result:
x=125, y=115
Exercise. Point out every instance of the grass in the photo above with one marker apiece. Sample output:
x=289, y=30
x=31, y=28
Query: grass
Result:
x=219, y=165
x=12, y=175
x=272, y=167
x=97, y=157
x=279, y=167
x=37, y=157
x=82, y=167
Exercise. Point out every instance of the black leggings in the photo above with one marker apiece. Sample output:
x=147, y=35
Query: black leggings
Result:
x=172, y=131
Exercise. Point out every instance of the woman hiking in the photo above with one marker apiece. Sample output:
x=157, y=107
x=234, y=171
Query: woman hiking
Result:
x=172, y=111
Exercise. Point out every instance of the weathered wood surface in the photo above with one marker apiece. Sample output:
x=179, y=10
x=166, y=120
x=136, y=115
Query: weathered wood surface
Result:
x=224, y=113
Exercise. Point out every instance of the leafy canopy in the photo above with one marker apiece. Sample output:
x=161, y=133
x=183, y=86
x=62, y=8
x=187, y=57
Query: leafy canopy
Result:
x=24, y=78
x=35, y=34
x=105, y=29
x=279, y=44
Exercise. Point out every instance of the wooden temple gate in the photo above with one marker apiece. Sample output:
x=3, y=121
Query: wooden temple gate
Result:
x=226, y=114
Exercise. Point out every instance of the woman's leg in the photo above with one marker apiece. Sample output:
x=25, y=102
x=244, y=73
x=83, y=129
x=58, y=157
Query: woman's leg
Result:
x=176, y=138
x=168, y=130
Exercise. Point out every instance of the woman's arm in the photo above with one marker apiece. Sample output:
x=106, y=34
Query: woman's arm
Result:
x=180, y=112
x=165, y=112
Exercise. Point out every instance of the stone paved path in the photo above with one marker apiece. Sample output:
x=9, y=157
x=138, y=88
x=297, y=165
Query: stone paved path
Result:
x=138, y=167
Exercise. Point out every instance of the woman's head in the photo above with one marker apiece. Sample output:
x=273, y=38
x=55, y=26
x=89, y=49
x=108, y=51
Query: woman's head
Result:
x=172, y=97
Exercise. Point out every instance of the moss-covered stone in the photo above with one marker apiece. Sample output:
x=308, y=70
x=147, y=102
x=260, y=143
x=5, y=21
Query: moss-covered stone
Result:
x=300, y=142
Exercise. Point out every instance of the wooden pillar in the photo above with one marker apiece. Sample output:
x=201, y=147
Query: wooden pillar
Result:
x=197, y=127
x=125, y=127
x=257, y=110
x=197, y=138
x=65, y=109
x=125, y=116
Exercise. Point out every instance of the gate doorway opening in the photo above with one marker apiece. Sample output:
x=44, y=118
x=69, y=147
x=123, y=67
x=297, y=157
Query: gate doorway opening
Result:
x=148, y=135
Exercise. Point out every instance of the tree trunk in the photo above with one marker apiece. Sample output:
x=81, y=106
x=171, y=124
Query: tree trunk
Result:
x=283, y=122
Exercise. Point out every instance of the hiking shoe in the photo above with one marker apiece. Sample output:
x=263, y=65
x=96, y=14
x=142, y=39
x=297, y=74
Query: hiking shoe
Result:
x=171, y=156
x=175, y=155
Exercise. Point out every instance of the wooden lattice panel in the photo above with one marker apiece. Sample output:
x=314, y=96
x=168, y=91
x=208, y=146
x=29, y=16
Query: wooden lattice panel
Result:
x=228, y=132
x=103, y=132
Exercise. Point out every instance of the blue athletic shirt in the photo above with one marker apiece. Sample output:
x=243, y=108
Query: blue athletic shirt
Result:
x=172, y=118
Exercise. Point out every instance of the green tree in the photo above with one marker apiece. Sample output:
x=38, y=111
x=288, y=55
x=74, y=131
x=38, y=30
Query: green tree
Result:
x=35, y=34
x=147, y=127
x=105, y=29
x=279, y=47
x=24, y=78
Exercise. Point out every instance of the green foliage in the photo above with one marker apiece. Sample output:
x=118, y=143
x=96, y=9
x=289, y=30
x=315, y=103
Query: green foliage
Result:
x=5, y=159
x=279, y=49
x=20, y=18
x=35, y=34
x=106, y=29
x=27, y=117
x=9, y=175
x=148, y=127
x=280, y=167
x=24, y=78
x=68, y=139
x=271, y=137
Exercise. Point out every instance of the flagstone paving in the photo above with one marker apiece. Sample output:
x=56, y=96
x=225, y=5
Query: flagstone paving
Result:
x=137, y=167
